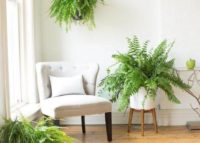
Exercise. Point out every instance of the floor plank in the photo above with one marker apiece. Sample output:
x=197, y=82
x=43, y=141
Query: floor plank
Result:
x=97, y=134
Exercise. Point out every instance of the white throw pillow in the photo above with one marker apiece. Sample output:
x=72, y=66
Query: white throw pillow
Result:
x=67, y=85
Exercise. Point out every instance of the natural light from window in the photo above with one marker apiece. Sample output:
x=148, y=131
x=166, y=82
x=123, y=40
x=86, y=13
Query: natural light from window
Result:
x=13, y=29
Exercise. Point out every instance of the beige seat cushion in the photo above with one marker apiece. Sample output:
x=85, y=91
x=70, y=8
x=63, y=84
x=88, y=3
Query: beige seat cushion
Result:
x=74, y=105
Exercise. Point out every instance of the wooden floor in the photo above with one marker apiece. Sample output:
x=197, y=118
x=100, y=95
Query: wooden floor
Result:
x=97, y=134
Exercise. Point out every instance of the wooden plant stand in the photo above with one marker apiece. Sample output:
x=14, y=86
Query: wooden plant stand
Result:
x=153, y=111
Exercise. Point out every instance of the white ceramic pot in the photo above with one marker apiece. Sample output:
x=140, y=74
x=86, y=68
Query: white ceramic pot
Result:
x=137, y=100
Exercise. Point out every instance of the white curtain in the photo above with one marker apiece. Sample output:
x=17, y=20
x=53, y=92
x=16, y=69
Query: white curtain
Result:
x=4, y=95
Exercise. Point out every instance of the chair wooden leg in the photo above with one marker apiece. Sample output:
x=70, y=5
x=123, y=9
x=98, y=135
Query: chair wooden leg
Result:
x=83, y=124
x=108, y=119
x=130, y=119
x=142, y=122
x=155, y=120
x=56, y=122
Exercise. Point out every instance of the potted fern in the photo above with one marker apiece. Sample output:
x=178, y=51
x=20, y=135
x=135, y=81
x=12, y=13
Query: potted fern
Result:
x=142, y=72
x=78, y=11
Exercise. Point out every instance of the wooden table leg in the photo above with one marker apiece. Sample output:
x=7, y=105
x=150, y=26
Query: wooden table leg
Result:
x=130, y=119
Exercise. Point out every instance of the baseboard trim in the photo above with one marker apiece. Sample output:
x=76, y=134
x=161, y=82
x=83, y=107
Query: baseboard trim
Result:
x=165, y=117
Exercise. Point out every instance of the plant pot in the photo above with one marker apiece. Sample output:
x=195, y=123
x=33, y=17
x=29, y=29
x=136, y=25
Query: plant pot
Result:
x=139, y=102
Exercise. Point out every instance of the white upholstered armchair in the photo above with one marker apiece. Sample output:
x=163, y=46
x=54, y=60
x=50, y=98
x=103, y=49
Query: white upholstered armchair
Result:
x=67, y=105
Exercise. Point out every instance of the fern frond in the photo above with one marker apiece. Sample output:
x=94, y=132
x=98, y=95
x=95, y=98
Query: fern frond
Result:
x=165, y=85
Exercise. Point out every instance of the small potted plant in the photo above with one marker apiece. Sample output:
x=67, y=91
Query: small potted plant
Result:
x=139, y=73
x=78, y=11
x=190, y=64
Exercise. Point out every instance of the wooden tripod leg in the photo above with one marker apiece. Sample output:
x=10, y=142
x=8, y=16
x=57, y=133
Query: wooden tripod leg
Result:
x=130, y=119
x=142, y=122
x=155, y=120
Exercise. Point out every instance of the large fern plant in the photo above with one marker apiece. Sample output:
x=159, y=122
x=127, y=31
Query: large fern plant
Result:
x=70, y=11
x=140, y=67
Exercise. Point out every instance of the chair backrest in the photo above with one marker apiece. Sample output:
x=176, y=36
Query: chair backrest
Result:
x=61, y=69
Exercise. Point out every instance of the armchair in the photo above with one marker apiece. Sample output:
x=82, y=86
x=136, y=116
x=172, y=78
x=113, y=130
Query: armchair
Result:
x=72, y=105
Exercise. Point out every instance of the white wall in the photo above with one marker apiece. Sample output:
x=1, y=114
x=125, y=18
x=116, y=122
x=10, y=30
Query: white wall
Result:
x=38, y=27
x=181, y=22
x=116, y=20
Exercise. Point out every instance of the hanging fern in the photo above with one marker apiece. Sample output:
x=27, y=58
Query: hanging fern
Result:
x=78, y=11
x=142, y=68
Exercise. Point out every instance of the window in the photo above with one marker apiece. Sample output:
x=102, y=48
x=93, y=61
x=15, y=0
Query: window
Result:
x=14, y=52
